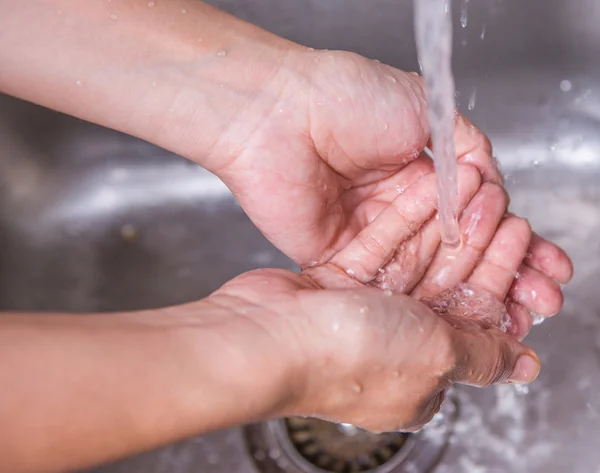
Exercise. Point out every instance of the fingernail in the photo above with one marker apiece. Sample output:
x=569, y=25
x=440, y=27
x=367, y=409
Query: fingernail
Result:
x=526, y=370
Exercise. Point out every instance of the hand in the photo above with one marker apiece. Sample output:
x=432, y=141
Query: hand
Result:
x=399, y=251
x=381, y=362
x=335, y=175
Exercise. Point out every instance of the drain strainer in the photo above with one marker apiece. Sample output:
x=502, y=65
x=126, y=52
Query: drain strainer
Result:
x=307, y=445
x=342, y=448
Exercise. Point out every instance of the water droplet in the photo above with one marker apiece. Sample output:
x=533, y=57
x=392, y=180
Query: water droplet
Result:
x=464, y=13
x=335, y=326
x=113, y=16
x=183, y=11
x=566, y=85
x=222, y=53
x=364, y=310
x=78, y=83
x=536, y=164
x=521, y=389
x=350, y=272
x=533, y=294
x=129, y=232
x=151, y=4
x=357, y=388
x=537, y=319
x=381, y=270
x=482, y=36
x=472, y=100
x=274, y=453
x=392, y=79
x=399, y=190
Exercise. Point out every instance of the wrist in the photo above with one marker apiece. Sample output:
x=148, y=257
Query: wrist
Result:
x=215, y=110
x=257, y=355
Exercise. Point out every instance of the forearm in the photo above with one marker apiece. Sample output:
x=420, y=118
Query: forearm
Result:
x=83, y=389
x=136, y=66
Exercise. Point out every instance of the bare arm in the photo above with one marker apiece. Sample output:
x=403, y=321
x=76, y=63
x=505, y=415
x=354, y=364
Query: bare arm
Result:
x=137, y=66
x=78, y=390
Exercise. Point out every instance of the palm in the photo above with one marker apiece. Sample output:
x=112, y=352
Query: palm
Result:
x=311, y=182
x=336, y=176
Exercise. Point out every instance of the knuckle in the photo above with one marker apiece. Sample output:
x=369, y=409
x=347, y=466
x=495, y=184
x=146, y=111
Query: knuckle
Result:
x=497, y=192
x=520, y=226
x=498, y=367
x=373, y=246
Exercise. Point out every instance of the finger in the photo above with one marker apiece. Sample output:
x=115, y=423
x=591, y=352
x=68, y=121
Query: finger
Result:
x=502, y=259
x=477, y=226
x=521, y=320
x=491, y=356
x=537, y=292
x=549, y=259
x=473, y=147
x=387, y=190
x=414, y=256
x=373, y=247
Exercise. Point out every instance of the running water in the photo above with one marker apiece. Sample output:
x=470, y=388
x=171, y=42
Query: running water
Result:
x=433, y=28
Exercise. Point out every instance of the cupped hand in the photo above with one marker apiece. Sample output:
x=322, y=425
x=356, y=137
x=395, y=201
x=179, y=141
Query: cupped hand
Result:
x=335, y=174
x=378, y=360
x=400, y=251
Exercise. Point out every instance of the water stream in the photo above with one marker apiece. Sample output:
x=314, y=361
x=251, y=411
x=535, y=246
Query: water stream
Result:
x=433, y=30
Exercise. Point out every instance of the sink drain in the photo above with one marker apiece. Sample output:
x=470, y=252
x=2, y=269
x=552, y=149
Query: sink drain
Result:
x=342, y=448
x=307, y=445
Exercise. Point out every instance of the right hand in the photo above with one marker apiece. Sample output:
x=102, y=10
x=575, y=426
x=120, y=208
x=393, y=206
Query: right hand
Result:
x=380, y=361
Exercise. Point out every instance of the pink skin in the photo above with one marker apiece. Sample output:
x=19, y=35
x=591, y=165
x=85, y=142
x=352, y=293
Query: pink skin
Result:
x=359, y=195
x=404, y=239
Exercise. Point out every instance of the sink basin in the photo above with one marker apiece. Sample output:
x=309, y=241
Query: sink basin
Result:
x=92, y=220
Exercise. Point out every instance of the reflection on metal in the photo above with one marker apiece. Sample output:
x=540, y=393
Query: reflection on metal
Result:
x=342, y=448
x=308, y=445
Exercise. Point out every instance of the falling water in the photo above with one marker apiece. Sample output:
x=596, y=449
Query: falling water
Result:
x=433, y=27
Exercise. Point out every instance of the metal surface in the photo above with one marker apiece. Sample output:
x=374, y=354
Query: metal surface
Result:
x=93, y=220
x=314, y=446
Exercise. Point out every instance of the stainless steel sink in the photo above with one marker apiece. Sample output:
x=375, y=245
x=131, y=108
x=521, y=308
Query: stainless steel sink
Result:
x=94, y=220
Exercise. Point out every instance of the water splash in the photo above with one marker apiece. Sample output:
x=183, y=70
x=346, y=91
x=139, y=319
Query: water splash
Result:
x=466, y=302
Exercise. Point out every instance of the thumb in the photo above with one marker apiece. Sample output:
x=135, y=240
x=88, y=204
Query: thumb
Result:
x=490, y=356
